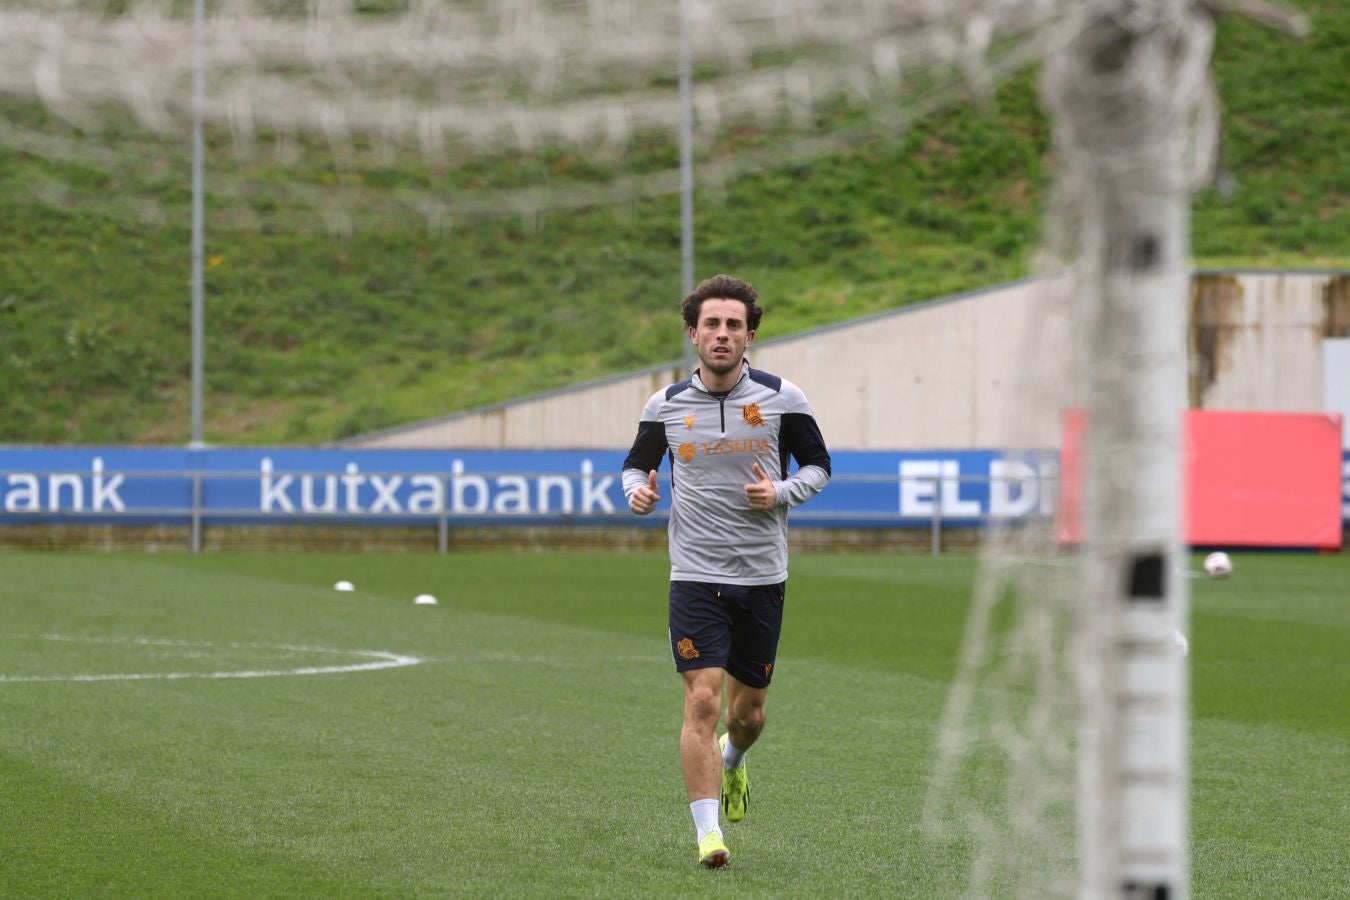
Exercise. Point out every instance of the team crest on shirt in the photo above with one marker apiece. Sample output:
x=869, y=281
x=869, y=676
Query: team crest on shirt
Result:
x=686, y=648
x=750, y=413
x=689, y=421
x=687, y=452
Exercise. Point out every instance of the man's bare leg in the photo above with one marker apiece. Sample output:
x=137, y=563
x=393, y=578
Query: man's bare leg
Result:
x=745, y=713
x=699, y=757
x=701, y=761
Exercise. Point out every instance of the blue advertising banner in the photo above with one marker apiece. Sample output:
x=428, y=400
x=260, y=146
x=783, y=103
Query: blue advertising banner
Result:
x=877, y=488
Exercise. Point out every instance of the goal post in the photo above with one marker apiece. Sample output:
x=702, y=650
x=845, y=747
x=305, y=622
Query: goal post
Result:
x=1126, y=96
x=1081, y=691
x=1072, y=681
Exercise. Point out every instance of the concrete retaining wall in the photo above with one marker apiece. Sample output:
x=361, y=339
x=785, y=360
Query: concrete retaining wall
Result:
x=942, y=373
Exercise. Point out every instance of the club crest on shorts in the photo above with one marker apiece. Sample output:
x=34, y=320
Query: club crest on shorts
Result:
x=686, y=649
x=750, y=413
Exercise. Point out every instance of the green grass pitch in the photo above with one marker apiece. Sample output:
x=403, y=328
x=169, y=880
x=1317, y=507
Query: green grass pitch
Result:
x=533, y=752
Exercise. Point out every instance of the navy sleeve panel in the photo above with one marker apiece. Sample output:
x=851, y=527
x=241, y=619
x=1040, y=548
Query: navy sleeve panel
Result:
x=677, y=388
x=648, y=447
x=772, y=382
x=801, y=437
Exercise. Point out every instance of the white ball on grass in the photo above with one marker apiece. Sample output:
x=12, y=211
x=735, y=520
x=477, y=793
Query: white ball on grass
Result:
x=344, y=586
x=1218, y=565
x=424, y=600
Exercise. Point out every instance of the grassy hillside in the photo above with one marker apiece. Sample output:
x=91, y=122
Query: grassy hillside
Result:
x=313, y=336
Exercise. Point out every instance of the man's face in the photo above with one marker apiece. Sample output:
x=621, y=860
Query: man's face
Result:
x=721, y=335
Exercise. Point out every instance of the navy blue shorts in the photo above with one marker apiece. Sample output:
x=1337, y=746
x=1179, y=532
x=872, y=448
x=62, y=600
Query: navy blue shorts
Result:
x=731, y=626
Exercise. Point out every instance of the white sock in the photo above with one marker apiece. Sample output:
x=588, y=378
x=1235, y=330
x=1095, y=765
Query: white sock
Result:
x=705, y=816
x=731, y=757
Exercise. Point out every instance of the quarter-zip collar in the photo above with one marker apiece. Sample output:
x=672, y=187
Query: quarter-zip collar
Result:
x=696, y=381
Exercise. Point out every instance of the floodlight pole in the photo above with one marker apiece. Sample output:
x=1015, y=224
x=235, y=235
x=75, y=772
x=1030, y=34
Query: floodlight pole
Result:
x=686, y=79
x=198, y=152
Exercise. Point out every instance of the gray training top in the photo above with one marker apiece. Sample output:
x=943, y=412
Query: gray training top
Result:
x=712, y=442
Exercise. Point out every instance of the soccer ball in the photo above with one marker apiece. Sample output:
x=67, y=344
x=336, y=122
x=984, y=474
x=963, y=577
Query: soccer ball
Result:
x=1218, y=565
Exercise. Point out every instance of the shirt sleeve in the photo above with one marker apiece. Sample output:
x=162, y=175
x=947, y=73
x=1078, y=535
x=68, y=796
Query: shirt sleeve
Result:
x=649, y=447
x=800, y=438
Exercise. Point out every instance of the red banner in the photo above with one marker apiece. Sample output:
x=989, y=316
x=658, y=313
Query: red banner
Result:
x=1252, y=479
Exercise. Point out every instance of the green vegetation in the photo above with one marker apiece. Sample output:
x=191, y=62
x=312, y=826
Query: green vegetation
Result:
x=312, y=337
x=532, y=752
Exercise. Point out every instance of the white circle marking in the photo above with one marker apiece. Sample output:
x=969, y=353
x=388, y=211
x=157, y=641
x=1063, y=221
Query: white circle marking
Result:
x=376, y=660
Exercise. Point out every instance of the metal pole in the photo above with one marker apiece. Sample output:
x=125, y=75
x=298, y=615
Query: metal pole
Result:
x=443, y=517
x=196, y=512
x=686, y=171
x=935, y=546
x=198, y=152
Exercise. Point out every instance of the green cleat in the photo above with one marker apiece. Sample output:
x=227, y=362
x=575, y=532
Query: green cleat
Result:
x=712, y=851
x=735, y=788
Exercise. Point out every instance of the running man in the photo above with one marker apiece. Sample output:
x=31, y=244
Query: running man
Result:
x=728, y=431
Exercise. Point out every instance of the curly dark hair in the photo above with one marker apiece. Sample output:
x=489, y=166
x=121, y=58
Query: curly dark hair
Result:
x=722, y=287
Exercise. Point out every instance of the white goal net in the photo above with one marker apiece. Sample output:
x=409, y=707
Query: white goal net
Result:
x=354, y=88
x=1063, y=748
x=1061, y=754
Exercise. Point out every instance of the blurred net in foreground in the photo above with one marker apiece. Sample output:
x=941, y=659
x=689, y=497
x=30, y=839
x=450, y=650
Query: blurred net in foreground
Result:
x=1061, y=754
x=328, y=92
x=1062, y=750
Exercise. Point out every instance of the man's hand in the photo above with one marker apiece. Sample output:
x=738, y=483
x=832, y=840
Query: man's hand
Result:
x=644, y=498
x=761, y=493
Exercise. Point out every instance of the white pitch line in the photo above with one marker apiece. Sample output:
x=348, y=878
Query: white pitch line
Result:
x=380, y=659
